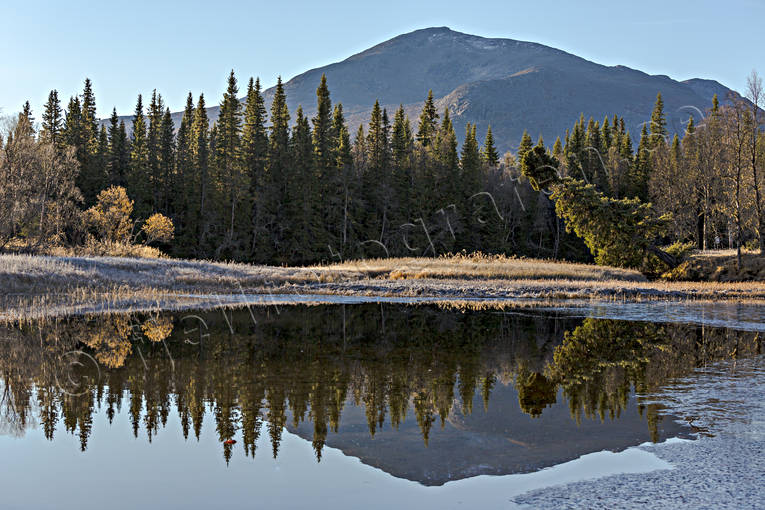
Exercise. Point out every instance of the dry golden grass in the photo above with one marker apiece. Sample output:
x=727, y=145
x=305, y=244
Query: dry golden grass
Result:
x=44, y=286
x=107, y=249
x=480, y=266
x=720, y=266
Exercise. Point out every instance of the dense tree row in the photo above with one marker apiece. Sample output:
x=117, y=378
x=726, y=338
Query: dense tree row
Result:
x=711, y=180
x=278, y=187
x=705, y=189
x=38, y=194
x=283, y=188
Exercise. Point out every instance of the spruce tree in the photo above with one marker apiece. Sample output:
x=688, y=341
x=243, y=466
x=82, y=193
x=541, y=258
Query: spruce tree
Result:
x=641, y=167
x=153, y=135
x=72, y=122
x=231, y=184
x=26, y=113
x=617, y=128
x=470, y=185
x=102, y=155
x=594, y=168
x=167, y=163
x=447, y=177
x=271, y=244
x=139, y=186
x=446, y=143
x=401, y=138
x=574, y=150
x=557, y=150
x=375, y=140
x=627, y=163
x=338, y=189
x=675, y=151
x=357, y=215
x=184, y=190
x=327, y=195
x=92, y=177
x=254, y=143
x=254, y=153
x=322, y=129
x=89, y=121
x=606, y=136
x=344, y=162
x=375, y=178
x=125, y=156
x=183, y=140
x=658, y=129
x=119, y=151
x=212, y=150
x=200, y=160
x=690, y=128
x=279, y=154
x=525, y=146
x=301, y=203
x=402, y=171
x=73, y=134
x=490, y=154
x=470, y=162
x=625, y=150
x=428, y=124
x=53, y=121
x=360, y=150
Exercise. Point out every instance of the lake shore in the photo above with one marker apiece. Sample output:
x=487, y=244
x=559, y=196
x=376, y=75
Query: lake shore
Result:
x=40, y=286
x=722, y=469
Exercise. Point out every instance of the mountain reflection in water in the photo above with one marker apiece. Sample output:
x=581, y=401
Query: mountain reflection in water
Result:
x=424, y=393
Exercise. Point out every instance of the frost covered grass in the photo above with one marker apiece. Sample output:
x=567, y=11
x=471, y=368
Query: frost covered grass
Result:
x=479, y=266
x=46, y=285
x=50, y=285
x=18, y=271
x=721, y=266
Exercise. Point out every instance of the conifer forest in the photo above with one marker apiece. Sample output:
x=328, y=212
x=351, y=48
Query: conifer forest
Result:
x=276, y=187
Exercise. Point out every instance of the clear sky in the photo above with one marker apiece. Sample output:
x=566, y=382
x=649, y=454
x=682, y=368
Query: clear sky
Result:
x=127, y=47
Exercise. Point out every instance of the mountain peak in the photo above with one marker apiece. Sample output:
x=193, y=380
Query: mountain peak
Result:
x=443, y=29
x=440, y=35
x=512, y=85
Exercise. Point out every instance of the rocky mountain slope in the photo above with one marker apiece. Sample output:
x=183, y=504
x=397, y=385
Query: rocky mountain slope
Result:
x=512, y=85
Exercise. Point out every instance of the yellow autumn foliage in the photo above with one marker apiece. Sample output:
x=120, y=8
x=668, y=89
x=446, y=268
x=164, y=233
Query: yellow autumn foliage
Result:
x=110, y=217
x=157, y=329
x=110, y=341
x=158, y=228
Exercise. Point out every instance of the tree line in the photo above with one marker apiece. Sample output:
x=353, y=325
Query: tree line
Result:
x=710, y=182
x=691, y=193
x=277, y=187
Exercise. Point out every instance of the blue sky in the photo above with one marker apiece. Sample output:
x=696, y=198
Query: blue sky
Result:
x=176, y=47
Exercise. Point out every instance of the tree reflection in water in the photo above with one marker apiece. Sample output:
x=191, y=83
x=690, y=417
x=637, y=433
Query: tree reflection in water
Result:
x=304, y=364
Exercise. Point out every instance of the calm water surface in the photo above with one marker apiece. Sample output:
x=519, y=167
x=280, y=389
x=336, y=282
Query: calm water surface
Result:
x=345, y=406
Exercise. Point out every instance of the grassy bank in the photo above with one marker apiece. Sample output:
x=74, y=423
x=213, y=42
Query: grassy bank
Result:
x=720, y=266
x=40, y=286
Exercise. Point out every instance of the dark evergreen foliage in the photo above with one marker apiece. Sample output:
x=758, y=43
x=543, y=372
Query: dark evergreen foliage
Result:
x=284, y=189
x=53, y=120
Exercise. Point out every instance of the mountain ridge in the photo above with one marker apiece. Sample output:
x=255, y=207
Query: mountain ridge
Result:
x=509, y=84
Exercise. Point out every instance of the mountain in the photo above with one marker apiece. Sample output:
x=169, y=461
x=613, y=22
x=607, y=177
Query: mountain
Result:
x=512, y=85
x=499, y=441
